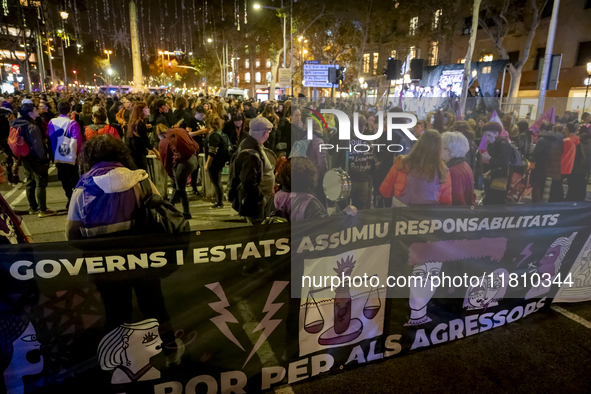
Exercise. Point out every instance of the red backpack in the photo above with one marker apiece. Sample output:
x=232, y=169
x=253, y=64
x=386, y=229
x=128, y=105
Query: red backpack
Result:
x=17, y=143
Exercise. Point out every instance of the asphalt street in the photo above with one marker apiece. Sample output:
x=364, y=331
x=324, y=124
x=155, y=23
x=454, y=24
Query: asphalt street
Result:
x=545, y=352
x=52, y=229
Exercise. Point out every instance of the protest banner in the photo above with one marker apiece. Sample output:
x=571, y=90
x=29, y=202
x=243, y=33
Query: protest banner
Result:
x=248, y=309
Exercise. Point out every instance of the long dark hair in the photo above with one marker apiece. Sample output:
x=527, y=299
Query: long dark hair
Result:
x=105, y=147
x=236, y=117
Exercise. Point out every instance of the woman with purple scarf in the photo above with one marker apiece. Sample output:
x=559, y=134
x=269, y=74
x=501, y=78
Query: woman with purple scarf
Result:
x=107, y=195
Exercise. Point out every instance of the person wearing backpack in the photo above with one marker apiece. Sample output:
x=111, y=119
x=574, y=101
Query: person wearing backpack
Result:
x=177, y=150
x=217, y=156
x=61, y=126
x=252, y=177
x=36, y=162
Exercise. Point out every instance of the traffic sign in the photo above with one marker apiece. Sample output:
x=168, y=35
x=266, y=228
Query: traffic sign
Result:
x=316, y=75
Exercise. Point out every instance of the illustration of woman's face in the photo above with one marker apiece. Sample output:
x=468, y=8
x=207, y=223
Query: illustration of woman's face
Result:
x=420, y=295
x=477, y=297
x=546, y=264
x=26, y=355
x=145, y=341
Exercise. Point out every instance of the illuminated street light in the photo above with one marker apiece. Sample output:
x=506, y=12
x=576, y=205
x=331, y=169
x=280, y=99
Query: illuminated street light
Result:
x=209, y=40
x=300, y=38
x=110, y=71
x=257, y=6
x=361, y=80
x=587, y=83
x=64, y=15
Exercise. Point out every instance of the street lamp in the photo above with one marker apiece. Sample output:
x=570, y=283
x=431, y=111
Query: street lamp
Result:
x=108, y=53
x=210, y=40
x=258, y=7
x=588, y=80
x=64, y=16
x=110, y=72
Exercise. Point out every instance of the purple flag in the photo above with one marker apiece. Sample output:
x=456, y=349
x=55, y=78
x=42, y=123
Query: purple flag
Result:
x=548, y=115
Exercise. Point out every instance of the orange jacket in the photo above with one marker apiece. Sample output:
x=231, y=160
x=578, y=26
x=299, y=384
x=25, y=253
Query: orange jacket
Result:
x=94, y=130
x=395, y=183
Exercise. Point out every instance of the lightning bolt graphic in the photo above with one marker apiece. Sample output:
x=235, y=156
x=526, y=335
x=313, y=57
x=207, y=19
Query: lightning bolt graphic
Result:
x=268, y=325
x=225, y=316
x=526, y=252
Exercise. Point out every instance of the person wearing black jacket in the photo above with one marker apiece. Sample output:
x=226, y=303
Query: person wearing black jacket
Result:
x=234, y=129
x=182, y=112
x=249, y=111
x=546, y=156
x=36, y=163
x=499, y=154
x=524, y=139
x=159, y=112
x=217, y=153
x=499, y=151
x=197, y=129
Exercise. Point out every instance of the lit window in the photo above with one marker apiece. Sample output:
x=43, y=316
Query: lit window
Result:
x=414, y=23
x=436, y=19
x=376, y=57
x=269, y=76
x=461, y=61
x=247, y=63
x=366, y=63
x=434, y=53
x=246, y=49
x=257, y=77
x=257, y=49
x=268, y=63
x=487, y=58
x=486, y=70
x=257, y=63
x=247, y=77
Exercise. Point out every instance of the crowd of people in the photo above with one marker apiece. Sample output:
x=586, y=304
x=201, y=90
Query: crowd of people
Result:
x=101, y=146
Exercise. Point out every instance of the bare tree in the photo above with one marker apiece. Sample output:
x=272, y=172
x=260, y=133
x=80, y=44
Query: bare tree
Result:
x=499, y=19
x=472, y=43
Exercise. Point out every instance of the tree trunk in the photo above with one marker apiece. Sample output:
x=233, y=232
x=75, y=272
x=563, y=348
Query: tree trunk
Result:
x=274, y=67
x=468, y=62
x=138, y=79
x=360, y=65
x=515, y=81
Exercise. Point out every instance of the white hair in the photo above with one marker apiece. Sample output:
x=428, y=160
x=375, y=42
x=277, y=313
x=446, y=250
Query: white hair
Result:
x=112, y=347
x=456, y=142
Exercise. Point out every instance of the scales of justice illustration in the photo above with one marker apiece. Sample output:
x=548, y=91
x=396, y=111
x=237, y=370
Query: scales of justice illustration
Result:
x=346, y=328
